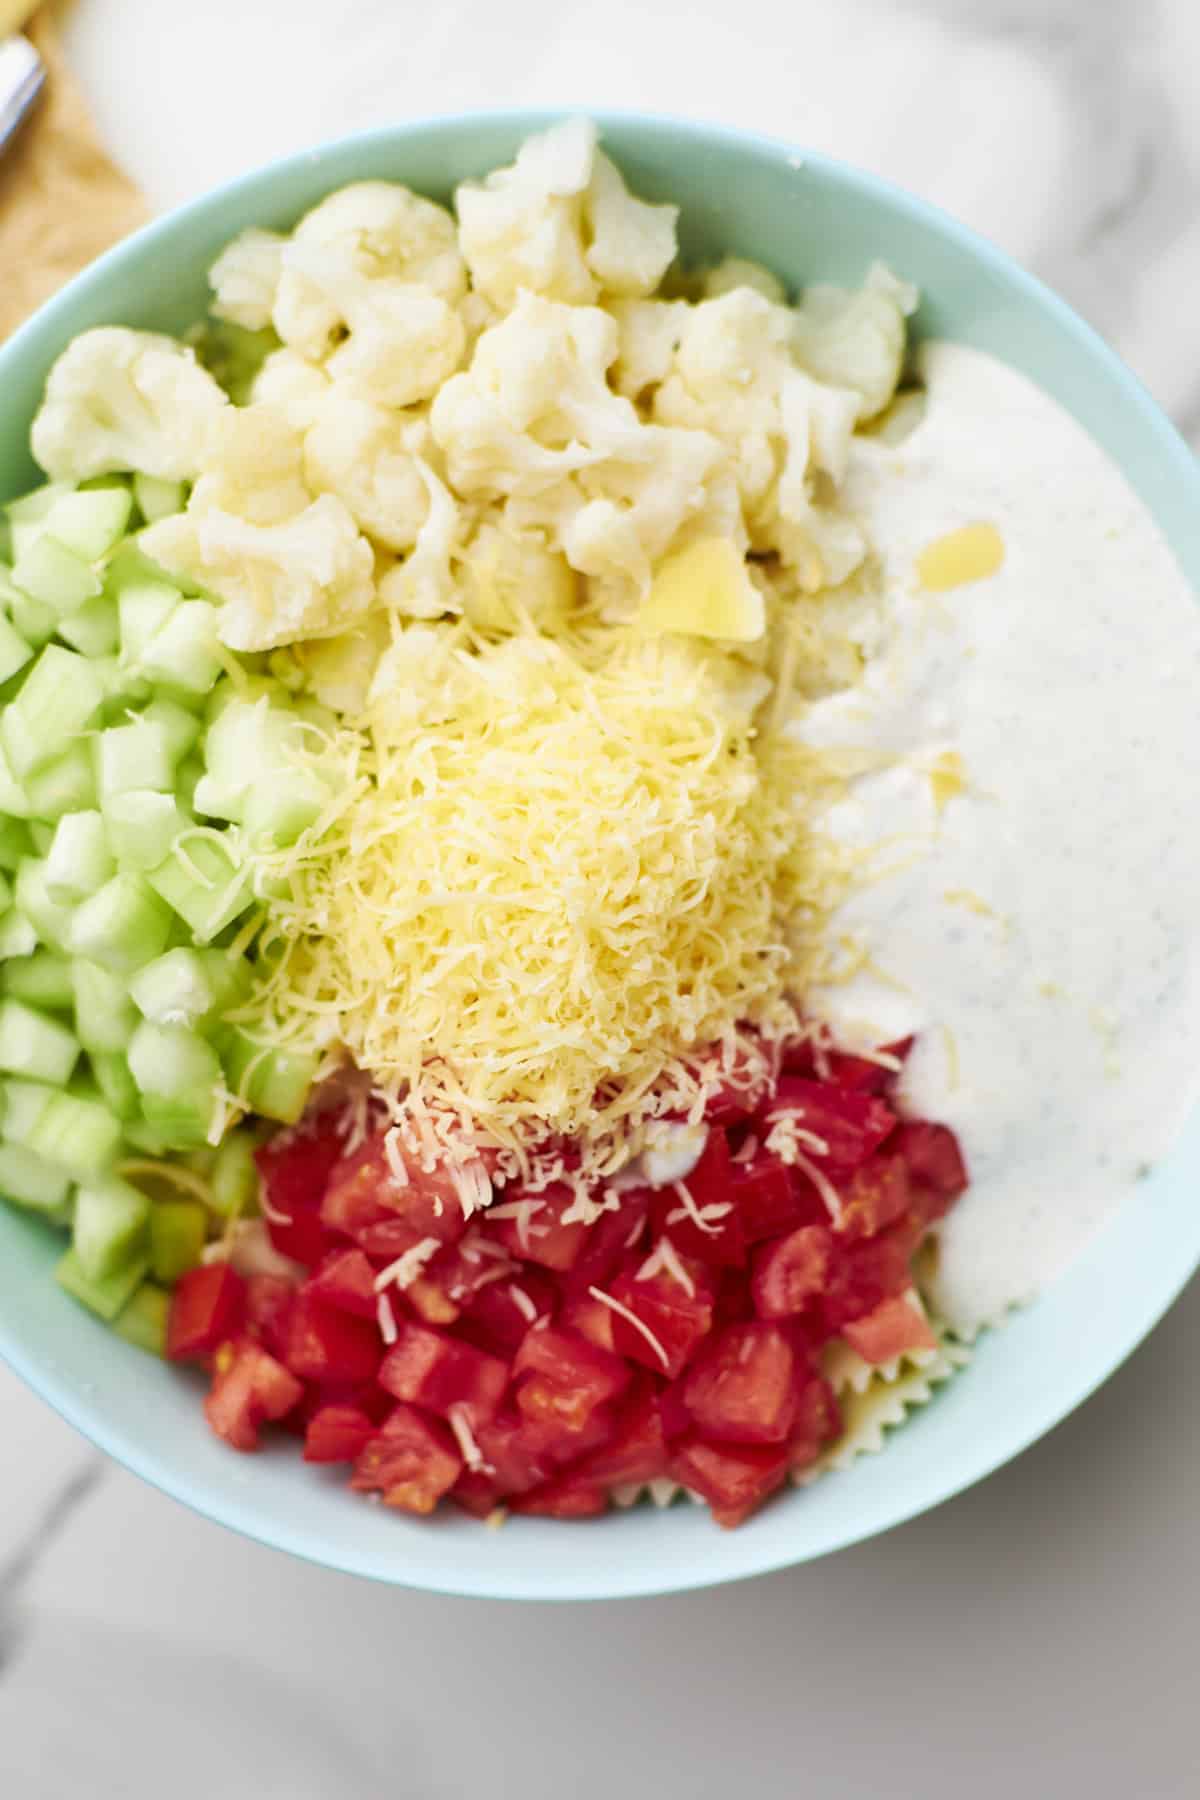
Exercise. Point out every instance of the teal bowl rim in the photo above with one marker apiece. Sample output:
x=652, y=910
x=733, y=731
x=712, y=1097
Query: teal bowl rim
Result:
x=745, y=1553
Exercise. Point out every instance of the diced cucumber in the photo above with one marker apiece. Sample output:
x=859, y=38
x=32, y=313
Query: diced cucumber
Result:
x=181, y=725
x=47, y=571
x=15, y=842
x=204, y=884
x=6, y=894
x=79, y=860
x=65, y=785
x=42, y=979
x=35, y=507
x=184, y=653
x=93, y=629
x=279, y=810
x=91, y=524
x=14, y=651
x=177, y=1074
x=80, y=1136
x=35, y=621
x=174, y=989
x=24, y=1104
x=14, y=802
x=51, y=920
x=142, y=826
x=62, y=693
x=29, y=1181
x=35, y=1046
x=105, y=1298
x=147, y=1138
x=105, y=1016
x=233, y=1182
x=247, y=743
x=188, y=777
x=134, y=756
x=158, y=499
x=178, y=1230
x=111, y=1227
x=17, y=935
x=143, y=608
x=117, y=1085
x=123, y=925
x=275, y=1083
x=229, y=977
x=142, y=1321
x=41, y=836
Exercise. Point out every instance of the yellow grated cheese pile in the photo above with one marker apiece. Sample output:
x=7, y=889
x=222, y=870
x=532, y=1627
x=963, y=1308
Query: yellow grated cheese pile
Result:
x=553, y=872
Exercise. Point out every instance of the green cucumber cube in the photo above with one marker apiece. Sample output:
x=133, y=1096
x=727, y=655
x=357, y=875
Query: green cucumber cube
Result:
x=158, y=499
x=91, y=524
x=105, y=1298
x=177, y=1075
x=204, y=884
x=181, y=725
x=142, y=826
x=121, y=926
x=233, y=1182
x=17, y=935
x=116, y=1084
x=35, y=1046
x=178, y=1232
x=79, y=860
x=15, y=842
x=142, y=1321
x=93, y=629
x=50, y=919
x=24, y=1104
x=65, y=785
x=111, y=1227
x=105, y=1016
x=15, y=652
x=143, y=608
x=135, y=756
x=80, y=1136
x=275, y=1083
x=60, y=696
x=27, y=1180
x=174, y=989
x=185, y=652
x=47, y=571
x=40, y=979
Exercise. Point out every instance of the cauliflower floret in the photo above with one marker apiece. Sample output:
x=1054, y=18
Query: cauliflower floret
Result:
x=737, y=272
x=339, y=670
x=291, y=384
x=255, y=467
x=648, y=337
x=118, y=400
x=508, y=575
x=522, y=227
x=304, y=576
x=633, y=243
x=856, y=339
x=373, y=234
x=534, y=403
x=404, y=342
x=359, y=452
x=245, y=278
x=423, y=586
x=561, y=223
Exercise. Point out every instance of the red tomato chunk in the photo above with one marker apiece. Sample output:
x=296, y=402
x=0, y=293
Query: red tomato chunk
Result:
x=536, y=1363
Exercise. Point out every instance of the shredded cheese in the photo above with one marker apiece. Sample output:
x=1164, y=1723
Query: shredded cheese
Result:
x=556, y=874
x=631, y=1318
x=387, y=1319
x=664, y=1260
x=404, y=1271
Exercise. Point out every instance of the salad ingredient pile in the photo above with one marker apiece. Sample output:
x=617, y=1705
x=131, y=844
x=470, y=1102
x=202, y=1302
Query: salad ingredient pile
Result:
x=402, y=744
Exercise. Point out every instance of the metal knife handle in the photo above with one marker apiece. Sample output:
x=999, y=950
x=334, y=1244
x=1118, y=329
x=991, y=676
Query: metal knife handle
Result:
x=22, y=73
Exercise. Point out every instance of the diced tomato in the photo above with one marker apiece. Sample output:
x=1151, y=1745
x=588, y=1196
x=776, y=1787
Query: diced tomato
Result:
x=849, y=1124
x=411, y=1461
x=892, y=1329
x=675, y=1319
x=567, y=1497
x=562, y=1379
x=322, y=1343
x=637, y=1450
x=431, y=1369
x=676, y=1419
x=935, y=1163
x=740, y=1092
x=538, y=1234
x=875, y=1196
x=733, y=1478
x=708, y=1224
x=363, y=1192
x=501, y=1313
x=768, y=1199
x=518, y=1455
x=477, y=1493
x=387, y=1239
x=337, y=1433
x=742, y=1386
x=613, y=1237
x=207, y=1307
x=455, y=1277
x=591, y=1319
x=818, y=1419
x=268, y=1298
x=346, y=1280
x=864, y=1273
x=790, y=1271
x=249, y=1387
x=294, y=1168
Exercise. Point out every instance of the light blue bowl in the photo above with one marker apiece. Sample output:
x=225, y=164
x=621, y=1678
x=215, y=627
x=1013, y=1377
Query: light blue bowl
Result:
x=807, y=217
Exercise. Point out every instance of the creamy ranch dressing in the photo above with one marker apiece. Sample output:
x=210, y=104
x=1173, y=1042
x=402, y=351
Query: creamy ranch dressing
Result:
x=1041, y=931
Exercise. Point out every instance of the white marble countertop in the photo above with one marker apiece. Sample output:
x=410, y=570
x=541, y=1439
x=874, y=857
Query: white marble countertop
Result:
x=1039, y=1632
